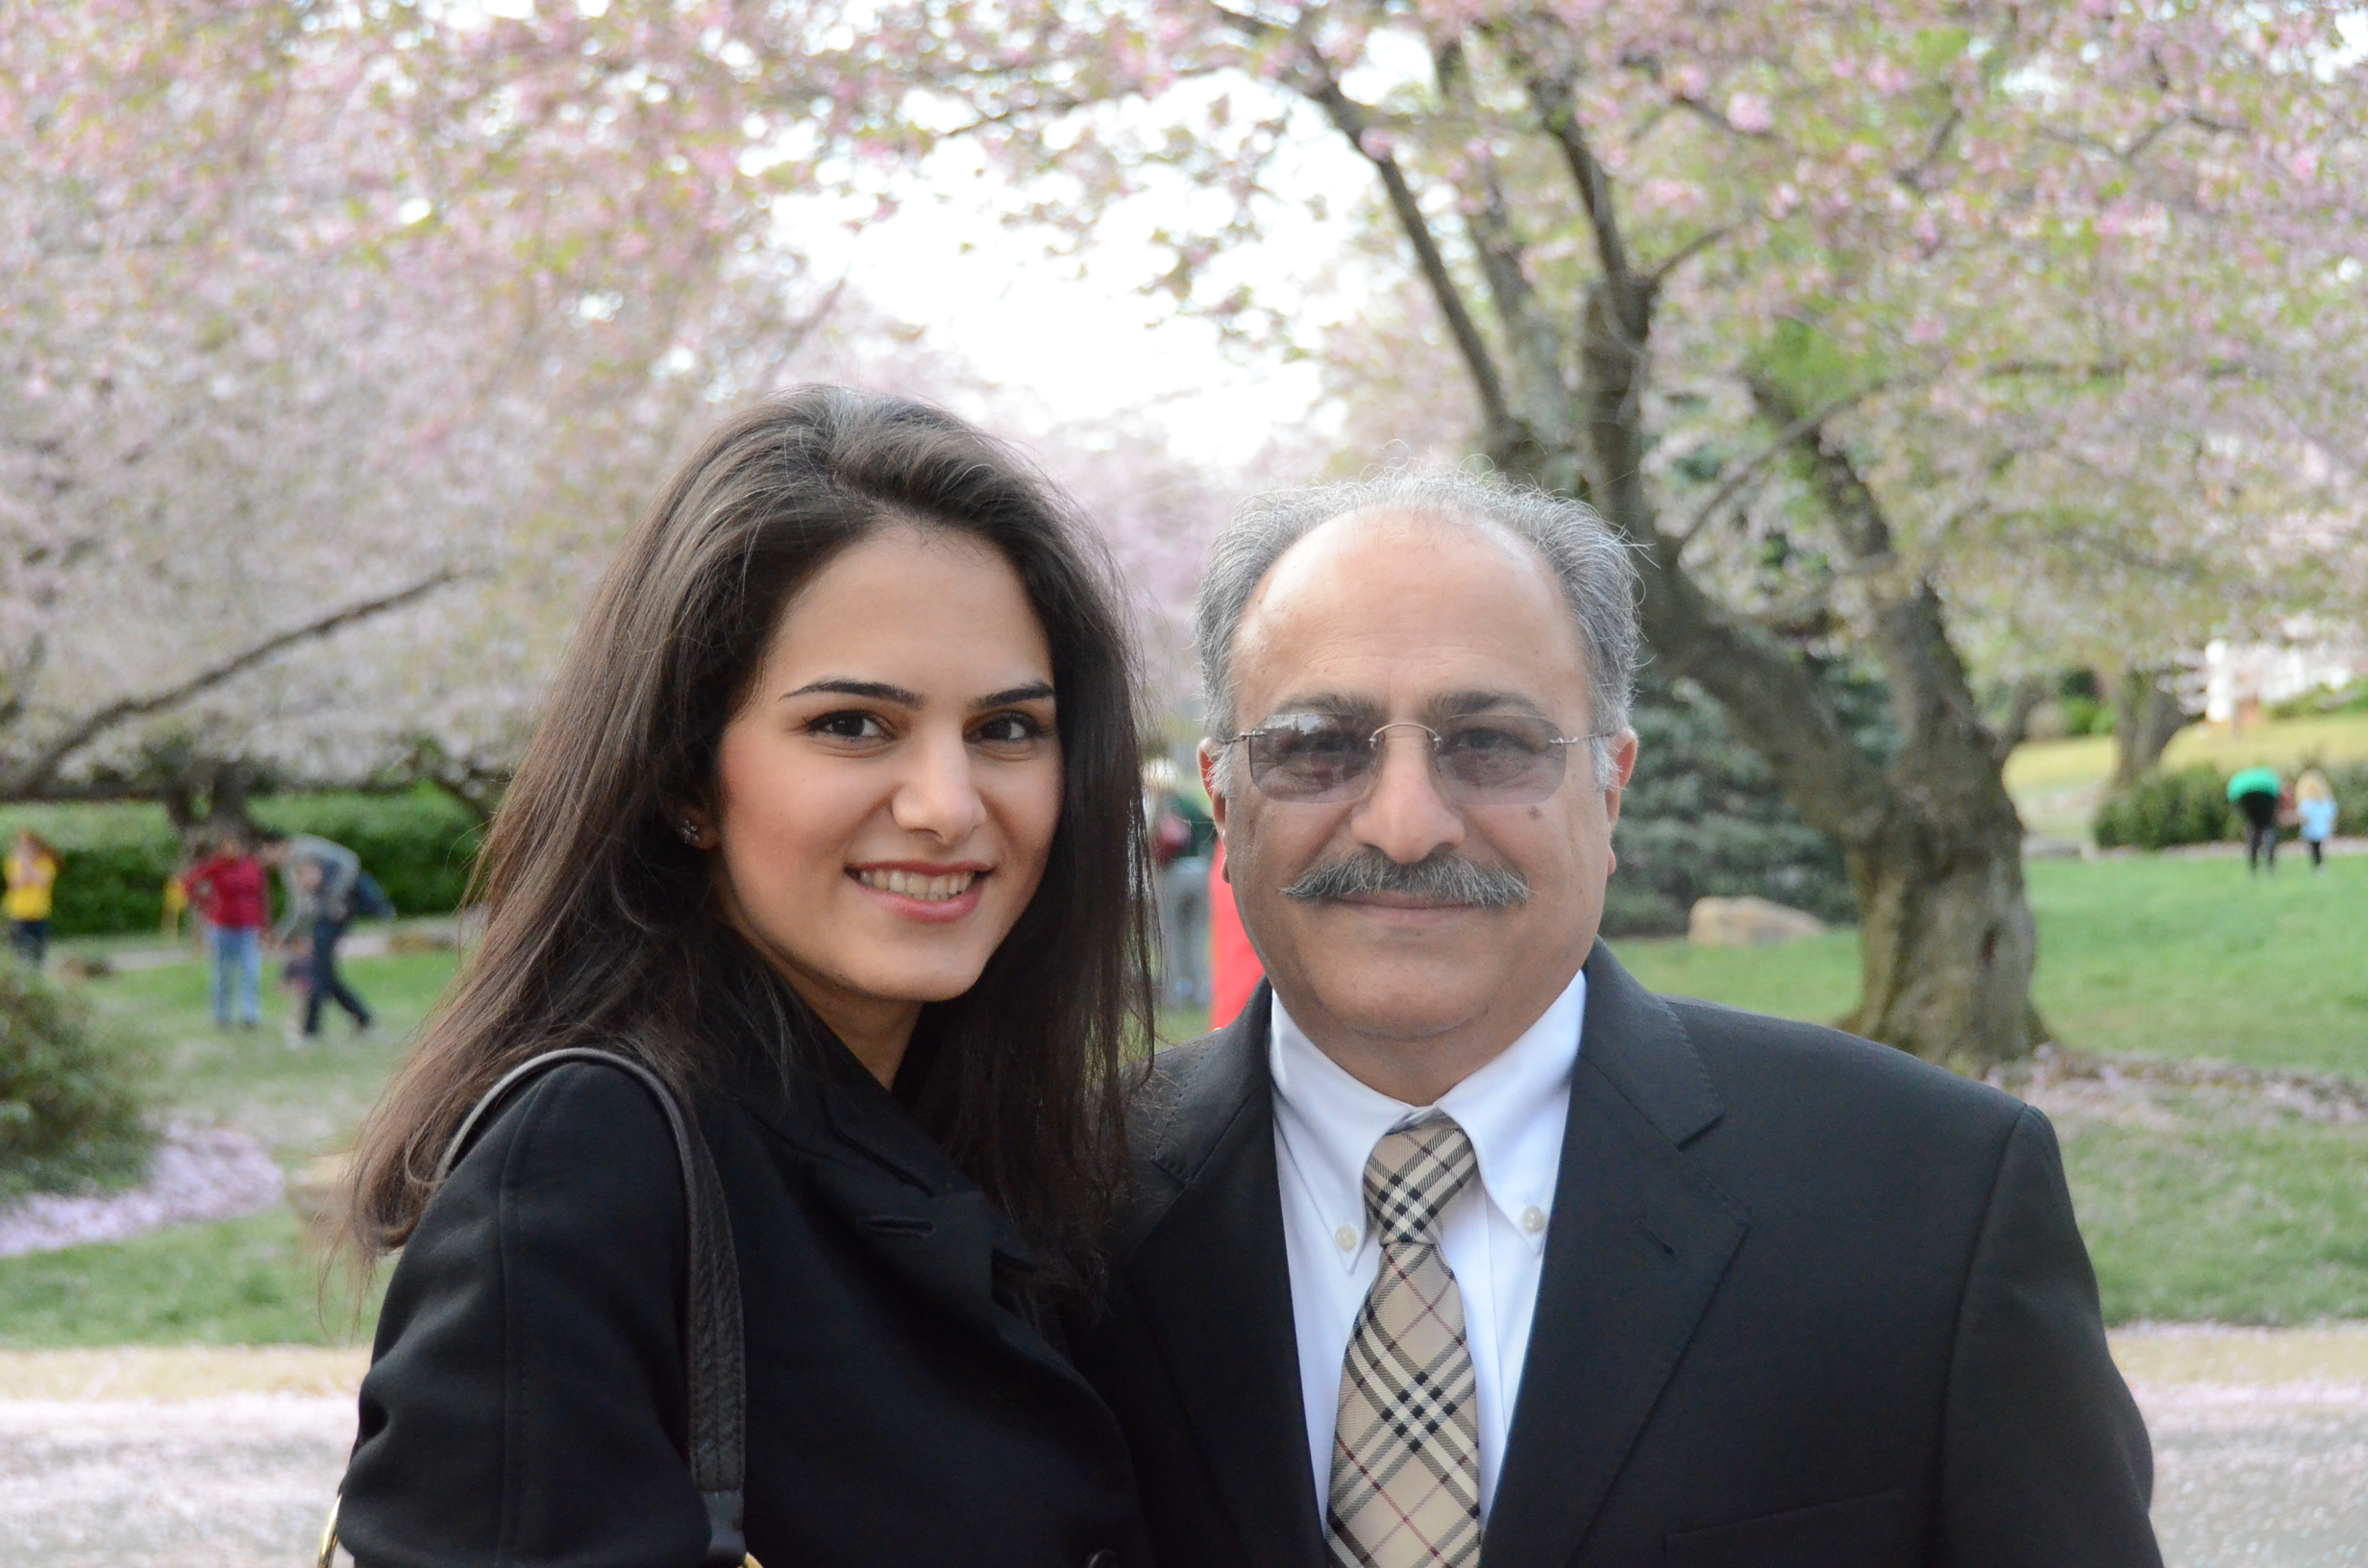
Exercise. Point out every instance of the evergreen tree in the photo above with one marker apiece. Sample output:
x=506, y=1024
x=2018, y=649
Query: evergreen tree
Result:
x=1703, y=816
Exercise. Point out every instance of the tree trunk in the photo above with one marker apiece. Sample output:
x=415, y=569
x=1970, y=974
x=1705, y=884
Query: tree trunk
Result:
x=1946, y=944
x=2146, y=717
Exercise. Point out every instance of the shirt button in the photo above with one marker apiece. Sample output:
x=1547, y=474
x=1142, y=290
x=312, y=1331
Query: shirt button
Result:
x=1533, y=1219
x=1345, y=1239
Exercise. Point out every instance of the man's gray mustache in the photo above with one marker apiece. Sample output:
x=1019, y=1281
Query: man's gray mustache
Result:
x=1439, y=877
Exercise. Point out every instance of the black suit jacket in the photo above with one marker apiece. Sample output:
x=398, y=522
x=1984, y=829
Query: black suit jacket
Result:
x=1805, y=1303
x=525, y=1405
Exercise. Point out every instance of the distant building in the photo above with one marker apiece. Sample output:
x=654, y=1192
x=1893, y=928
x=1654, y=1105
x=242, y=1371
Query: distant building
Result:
x=2240, y=678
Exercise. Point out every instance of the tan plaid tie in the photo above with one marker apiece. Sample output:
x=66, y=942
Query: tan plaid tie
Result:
x=1406, y=1452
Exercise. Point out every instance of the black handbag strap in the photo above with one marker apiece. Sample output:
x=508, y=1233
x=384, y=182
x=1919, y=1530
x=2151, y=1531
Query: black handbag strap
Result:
x=718, y=1375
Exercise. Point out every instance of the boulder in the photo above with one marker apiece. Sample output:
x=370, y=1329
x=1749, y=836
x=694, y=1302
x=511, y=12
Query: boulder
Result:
x=1748, y=922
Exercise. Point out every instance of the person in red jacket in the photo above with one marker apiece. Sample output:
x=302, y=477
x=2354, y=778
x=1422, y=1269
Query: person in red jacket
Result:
x=228, y=890
x=1234, y=969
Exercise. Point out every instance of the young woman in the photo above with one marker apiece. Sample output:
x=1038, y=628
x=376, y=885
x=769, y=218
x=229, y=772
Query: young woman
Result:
x=831, y=823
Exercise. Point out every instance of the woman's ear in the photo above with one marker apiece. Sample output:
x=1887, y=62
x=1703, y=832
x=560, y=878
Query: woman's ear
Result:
x=692, y=826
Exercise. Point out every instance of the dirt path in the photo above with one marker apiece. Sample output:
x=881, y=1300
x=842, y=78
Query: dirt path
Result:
x=141, y=1458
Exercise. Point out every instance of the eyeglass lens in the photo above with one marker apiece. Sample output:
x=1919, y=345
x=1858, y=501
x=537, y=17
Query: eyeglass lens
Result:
x=1490, y=759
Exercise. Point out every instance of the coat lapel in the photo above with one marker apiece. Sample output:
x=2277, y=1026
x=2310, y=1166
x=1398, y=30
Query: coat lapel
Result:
x=1638, y=1243
x=911, y=1207
x=1213, y=1284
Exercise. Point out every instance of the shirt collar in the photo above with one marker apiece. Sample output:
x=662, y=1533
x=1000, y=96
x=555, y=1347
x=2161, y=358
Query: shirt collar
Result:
x=1513, y=1109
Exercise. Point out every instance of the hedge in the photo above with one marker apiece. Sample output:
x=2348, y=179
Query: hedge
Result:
x=418, y=845
x=2165, y=809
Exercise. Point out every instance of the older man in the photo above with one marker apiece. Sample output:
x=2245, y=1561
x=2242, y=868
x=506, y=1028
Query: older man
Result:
x=1459, y=1246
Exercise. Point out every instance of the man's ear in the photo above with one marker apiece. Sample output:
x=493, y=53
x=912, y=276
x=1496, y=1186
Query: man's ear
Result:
x=1623, y=765
x=1210, y=755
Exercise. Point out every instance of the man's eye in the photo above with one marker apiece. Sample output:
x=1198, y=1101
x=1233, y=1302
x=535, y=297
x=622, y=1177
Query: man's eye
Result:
x=848, y=726
x=1326, y=741
x=1490, y=739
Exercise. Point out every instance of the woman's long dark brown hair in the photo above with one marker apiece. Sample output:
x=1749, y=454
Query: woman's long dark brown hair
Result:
x=598, y=926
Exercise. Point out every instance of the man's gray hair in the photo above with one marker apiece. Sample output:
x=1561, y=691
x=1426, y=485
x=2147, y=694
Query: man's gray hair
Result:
x=1588, y=559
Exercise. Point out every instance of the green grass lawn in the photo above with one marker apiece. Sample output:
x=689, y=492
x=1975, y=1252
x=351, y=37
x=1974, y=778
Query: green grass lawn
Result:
x=2194, y=1213
x=2162, y=956
x=2223, y=1218
x=242, y=1282
x=298, y=1102
x=252, y=1281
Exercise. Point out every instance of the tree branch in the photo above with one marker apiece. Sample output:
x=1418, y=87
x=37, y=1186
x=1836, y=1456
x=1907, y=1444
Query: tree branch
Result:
x=1558, y=111
x=36, y=774
x=1687, y=251
x=1806, y=425
x=1349, y=118
x=1534, y=347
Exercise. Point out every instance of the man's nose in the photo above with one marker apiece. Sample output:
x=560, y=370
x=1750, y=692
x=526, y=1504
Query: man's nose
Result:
x=937, y=793
x=1405, y=817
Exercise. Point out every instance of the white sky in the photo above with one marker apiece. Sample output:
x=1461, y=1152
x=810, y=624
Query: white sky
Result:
x=1081, y=338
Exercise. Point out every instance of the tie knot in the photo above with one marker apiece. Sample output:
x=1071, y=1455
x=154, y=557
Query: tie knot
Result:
x=1412, y=1177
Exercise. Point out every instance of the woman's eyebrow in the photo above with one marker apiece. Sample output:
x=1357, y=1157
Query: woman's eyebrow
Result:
x=1034, y=692
x=878, y=691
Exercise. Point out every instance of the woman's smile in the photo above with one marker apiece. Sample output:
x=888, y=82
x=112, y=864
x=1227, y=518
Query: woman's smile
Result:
x=915, y=891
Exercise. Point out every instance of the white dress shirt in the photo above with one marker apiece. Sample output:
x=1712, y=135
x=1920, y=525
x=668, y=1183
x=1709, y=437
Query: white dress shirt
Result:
x=1492, y=1236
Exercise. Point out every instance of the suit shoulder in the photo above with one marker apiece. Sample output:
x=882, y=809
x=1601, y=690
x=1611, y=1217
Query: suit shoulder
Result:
x=1184, y=1089
x=1755, y=1055
x=1177, y=1116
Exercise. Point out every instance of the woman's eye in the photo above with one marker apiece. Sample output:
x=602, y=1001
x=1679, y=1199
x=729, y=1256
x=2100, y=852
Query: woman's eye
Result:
x=848, y=726
x=1007, y=731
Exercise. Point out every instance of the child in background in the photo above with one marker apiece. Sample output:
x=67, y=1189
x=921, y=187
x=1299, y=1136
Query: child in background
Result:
x=229, y=890
x=2314, y=802
x=32, y=877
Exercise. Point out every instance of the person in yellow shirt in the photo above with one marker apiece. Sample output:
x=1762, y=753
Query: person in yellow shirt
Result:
x=31, y=876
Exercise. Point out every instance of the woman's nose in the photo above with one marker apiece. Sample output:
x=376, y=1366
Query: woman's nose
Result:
x=938, y=793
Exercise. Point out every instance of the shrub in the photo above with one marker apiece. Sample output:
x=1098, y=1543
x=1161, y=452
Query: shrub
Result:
x=2087, y=716
x=419, y=845
x=70, y=1095
x=2163, y=809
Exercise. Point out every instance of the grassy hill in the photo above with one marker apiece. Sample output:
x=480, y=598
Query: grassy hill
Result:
x=2057, y=784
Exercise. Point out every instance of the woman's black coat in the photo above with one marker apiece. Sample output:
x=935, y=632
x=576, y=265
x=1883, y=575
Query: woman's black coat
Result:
x=526, y=1402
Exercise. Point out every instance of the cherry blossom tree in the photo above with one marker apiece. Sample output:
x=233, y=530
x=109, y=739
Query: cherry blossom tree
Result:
x=1914, y=285
x=321, y=391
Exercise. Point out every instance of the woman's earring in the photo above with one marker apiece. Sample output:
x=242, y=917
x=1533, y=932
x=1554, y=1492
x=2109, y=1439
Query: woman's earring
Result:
x=690, y=832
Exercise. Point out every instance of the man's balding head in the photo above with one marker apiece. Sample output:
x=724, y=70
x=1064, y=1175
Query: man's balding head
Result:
x=1415, y=926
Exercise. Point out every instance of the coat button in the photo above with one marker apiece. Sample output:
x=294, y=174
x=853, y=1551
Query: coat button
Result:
x=1105, y=1558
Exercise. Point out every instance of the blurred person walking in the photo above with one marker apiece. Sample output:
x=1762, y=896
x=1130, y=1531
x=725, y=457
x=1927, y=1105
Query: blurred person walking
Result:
x=2256, y=792
x=322, y=880
x=2314, y=804
x=32, y=881
x=232, y=897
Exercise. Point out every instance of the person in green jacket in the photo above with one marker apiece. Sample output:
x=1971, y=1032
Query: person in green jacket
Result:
x=2256, y=791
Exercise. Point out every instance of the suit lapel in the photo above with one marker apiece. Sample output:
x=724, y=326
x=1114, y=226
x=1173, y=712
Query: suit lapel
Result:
x=1213, y=1284
x=1639, y=1244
